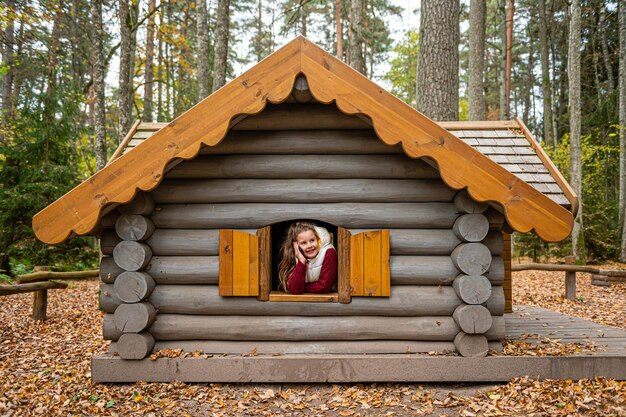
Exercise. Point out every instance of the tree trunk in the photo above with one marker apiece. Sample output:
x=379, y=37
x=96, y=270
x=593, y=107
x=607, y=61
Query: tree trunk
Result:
x=221, y=44
x=575, y=125
x=548, y=136
x=622, y=123
x=338, y=30
x=161, y=84
x=510, y=10
x=438, y=60
x=477, y=59
x=203, y=49
x=124, y=89
x=97, y=56
x=356, y=36
x=503, y=45
x=149, y=68
x=610, y=83
x=7, y=62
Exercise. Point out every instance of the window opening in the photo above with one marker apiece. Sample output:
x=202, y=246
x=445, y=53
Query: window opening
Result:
x=278, y=235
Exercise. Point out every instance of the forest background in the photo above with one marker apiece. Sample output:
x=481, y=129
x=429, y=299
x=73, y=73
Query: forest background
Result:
x=75, y=74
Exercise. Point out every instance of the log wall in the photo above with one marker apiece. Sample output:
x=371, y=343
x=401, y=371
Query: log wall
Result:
x=446, y=250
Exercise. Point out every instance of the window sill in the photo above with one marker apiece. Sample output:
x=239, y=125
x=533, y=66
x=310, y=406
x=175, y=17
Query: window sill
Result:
x=306, y=297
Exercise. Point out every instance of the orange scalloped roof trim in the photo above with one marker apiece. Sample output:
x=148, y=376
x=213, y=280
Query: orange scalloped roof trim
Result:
x=271, y=81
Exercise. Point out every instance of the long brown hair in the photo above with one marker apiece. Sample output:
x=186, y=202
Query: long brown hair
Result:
x=288, y=257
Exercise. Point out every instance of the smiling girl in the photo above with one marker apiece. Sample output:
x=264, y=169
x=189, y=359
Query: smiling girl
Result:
x=309, y=260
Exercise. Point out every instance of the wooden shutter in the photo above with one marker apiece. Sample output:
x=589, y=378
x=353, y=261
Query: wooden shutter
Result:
x=369, y=264
x=239, y=264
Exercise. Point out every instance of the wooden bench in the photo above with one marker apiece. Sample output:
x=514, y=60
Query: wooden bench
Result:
x=601, y=277
x=39, y=283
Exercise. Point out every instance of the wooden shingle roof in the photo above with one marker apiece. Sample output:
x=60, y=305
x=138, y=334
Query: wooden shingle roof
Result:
x=330, y=80
x=507, y=143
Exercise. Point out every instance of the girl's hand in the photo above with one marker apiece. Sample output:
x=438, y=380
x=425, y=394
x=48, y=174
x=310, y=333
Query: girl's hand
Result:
x=299, y=254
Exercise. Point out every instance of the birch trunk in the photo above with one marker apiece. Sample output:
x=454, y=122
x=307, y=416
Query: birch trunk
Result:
x=477, y=59
x=338, y=30
x=356, y=36
x=548, y=135
x=221, y=44
x=203, y=49
x=622, y=123
x=98, y=84
x=438, y=60
x=574, y=107
x=149, y=68
x=7, y=61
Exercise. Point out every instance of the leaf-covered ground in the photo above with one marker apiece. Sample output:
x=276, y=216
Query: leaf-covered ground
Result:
x=45, y=370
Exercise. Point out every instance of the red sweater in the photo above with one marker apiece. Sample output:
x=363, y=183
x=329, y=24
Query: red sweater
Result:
x=296, y=284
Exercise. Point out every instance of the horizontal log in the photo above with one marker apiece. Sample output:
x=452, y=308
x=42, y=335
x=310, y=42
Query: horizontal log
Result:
x=133, y=287
x=471, y=227
x=302, y=191
x=132, y=256
x=187, y=242
x=350, y=215
x=134, y=227
x=497, y=329
x=554, y=267
x=302, y=142
x=496, y=302
x=109, y=269
x=494, y=242
x=184, y=327
x=108, y=240
x=495, y=274
x=199, y=242
x=306, y=347
x=141, y=204
x=109, y=331
x=471, y=345
x=471, y=258
x=422, y=270
x=30, y=287
x=473, y=319
x=472, y=289
x=302, y=166
x=405, y=270
x=184, y=269
x=135, y=345
x=204, y=299
x=465, y=204
x=495, y=333
x=496, y=219
x=48, y=275
x=300, y=117
x=133, y=318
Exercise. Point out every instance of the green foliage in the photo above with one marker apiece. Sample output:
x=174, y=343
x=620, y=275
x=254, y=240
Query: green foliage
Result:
x=600, y=168
x=402, y=73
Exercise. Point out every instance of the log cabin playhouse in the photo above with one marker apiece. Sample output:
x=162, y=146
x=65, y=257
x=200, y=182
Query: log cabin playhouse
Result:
x=190, y=217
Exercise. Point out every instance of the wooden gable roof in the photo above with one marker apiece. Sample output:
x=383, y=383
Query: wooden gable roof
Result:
x=329, y=80
x=508, y=143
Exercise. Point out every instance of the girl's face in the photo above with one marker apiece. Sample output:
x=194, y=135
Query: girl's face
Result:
x=307, y=242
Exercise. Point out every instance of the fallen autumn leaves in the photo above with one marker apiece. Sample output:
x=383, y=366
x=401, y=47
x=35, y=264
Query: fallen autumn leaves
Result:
x=45, y=370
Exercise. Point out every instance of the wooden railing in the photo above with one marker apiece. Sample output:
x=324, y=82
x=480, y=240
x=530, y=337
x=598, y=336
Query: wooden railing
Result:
x=39, y=283
x=602, y=277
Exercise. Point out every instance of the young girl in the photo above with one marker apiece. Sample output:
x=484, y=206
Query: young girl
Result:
x=309, y=260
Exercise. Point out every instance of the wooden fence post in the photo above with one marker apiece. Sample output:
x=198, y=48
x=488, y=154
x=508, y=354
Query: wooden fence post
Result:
x=40, y=299
x=570, y=279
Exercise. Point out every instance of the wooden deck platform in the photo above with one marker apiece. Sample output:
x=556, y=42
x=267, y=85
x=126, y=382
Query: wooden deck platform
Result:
x=530, y=324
